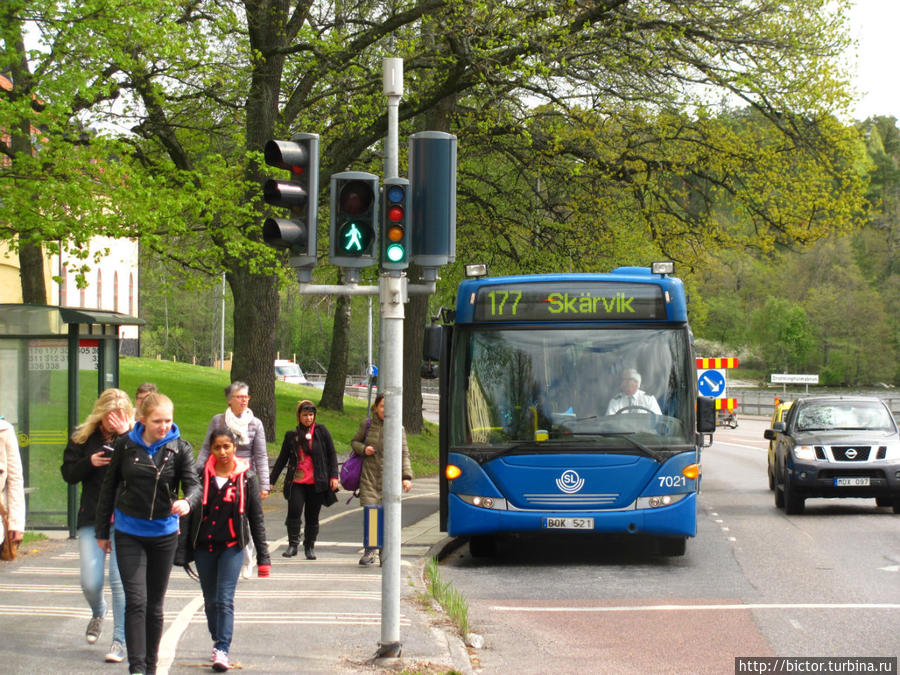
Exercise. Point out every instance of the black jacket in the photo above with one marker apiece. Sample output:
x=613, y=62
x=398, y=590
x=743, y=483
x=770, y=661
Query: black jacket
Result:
x=77, y=468
x=148, y=486
x=251, y=523
x=324, y=458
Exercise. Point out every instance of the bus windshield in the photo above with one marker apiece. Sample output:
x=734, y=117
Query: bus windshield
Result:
x=569, y=388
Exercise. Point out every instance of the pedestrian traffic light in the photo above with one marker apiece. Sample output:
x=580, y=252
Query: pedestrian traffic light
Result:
x=300, y=156
x=394, y=225
x=354, y=219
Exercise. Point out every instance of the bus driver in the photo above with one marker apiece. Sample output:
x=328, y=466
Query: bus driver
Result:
x=632, y=398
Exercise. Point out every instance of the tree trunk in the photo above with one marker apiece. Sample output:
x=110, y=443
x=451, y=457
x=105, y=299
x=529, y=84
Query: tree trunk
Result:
x=255, y=318
x=31, y=273
x=413, y=339
x=333, y=393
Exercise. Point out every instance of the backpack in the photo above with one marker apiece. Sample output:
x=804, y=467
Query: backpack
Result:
x=351, y=468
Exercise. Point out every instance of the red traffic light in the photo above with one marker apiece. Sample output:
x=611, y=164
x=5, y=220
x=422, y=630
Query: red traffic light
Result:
x=395, y=213
x=356, y=197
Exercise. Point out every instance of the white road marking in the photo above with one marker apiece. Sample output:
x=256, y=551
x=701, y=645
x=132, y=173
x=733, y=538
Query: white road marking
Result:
x=696, y=608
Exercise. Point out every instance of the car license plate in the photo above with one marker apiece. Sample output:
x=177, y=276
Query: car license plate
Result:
x=569, y=523
x=851, y=482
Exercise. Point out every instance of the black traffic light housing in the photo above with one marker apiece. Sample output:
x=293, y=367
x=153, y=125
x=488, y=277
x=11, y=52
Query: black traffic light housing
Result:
x=395, y=230
x=300, y=156
x=353, y=224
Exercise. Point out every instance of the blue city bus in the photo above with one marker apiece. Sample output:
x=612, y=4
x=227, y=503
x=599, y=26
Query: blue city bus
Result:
x=533, y=433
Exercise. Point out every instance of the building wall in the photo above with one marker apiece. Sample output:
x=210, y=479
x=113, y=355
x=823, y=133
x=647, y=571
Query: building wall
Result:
x=112, y=285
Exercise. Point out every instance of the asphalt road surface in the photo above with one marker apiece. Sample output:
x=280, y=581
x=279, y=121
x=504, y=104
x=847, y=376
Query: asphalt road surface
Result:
x=753, y=583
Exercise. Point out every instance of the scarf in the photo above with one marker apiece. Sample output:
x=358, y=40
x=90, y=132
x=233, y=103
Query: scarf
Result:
x=239, y=424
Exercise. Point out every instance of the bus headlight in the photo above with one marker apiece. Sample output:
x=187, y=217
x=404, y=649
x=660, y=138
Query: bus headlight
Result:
x=483, y=502
x=662, y=500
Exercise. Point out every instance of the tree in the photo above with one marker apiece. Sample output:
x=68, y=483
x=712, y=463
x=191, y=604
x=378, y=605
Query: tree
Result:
x=609, y=101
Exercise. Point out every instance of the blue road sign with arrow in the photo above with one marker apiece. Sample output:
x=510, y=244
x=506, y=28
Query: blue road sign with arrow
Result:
x=711, y=383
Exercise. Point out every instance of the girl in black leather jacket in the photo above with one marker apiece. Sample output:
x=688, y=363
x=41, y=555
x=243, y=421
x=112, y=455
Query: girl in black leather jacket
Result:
x=148, y=467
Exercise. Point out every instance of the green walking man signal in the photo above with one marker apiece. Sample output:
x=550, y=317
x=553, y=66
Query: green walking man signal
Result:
x=354, y=219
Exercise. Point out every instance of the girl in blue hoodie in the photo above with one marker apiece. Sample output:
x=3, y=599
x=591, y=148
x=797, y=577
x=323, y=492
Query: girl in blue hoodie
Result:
x=141, y=488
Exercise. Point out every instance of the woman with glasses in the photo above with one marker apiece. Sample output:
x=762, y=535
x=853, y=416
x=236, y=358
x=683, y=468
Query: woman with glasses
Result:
x=251, y=446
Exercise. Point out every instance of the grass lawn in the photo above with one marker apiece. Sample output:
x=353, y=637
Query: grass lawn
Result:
x=198, y=394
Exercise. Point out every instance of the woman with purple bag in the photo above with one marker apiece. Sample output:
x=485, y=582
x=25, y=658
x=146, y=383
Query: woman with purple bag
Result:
x=368, y=443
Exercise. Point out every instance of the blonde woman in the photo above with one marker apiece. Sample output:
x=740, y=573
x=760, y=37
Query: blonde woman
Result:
x=85, y=460
x=149, y=466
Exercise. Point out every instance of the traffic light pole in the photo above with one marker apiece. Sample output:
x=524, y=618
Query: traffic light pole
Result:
x=355, y=221
x=393, y=297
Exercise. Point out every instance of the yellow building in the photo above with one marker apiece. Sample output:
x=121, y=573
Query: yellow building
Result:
x=112, y=285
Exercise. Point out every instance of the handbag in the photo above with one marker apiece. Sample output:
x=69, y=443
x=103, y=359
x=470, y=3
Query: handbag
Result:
x=9, y=549
x=351, y=469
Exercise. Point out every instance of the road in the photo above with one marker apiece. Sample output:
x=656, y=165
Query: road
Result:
x=320, y=617
x=753, y=583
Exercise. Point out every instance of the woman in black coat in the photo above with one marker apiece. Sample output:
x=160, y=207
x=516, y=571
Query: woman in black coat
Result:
x=311, y=478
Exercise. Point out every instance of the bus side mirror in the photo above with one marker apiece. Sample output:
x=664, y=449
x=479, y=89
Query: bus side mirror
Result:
x=706, y=415
x=431, y=345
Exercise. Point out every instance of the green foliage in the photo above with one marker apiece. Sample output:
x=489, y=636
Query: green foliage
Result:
x=198, y=394
x=590, y=135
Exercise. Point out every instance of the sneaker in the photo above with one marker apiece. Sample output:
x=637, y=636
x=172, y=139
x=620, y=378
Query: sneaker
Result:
x=94, y=629
x=368, y=558
x=220, y=662
x=116, y=653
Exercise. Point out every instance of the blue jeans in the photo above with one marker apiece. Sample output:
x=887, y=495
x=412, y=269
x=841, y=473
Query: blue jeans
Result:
x=219, y=572
x=93, y=564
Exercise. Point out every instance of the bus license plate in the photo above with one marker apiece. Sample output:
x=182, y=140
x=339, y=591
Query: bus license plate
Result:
x=851, y=482
x=569, y=523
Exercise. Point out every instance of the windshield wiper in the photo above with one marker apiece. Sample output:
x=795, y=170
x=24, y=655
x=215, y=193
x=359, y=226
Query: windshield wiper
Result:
x=652, y=454
x=531, y=445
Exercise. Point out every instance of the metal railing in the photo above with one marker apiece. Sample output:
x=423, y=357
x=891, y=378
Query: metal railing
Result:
x=761, y=402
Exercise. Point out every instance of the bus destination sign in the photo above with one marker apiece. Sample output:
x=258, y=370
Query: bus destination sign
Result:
x=570, y=301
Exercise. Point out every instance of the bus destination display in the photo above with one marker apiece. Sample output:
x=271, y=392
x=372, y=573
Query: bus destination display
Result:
x=567, y=301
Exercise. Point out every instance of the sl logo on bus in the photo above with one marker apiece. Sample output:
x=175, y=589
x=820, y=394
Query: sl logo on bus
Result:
x=570, y=482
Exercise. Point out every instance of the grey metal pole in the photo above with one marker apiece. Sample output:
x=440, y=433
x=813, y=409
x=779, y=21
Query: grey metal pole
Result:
x=222, y=335
x=393, y=296
x=392, y=70
x=390, y=379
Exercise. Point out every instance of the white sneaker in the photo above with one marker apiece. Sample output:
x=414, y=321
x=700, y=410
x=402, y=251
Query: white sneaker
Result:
x=116, y=653
x=220, y=662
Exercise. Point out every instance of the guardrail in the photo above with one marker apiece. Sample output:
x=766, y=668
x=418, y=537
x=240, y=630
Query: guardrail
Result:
x=762, y=401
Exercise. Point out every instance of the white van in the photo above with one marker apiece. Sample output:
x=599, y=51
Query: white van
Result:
x=288, y=371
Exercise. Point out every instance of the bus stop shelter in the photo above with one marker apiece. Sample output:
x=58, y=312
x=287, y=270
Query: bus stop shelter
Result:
x=54, y=362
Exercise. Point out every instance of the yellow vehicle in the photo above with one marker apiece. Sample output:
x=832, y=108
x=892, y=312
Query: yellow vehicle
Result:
x=781, y=407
